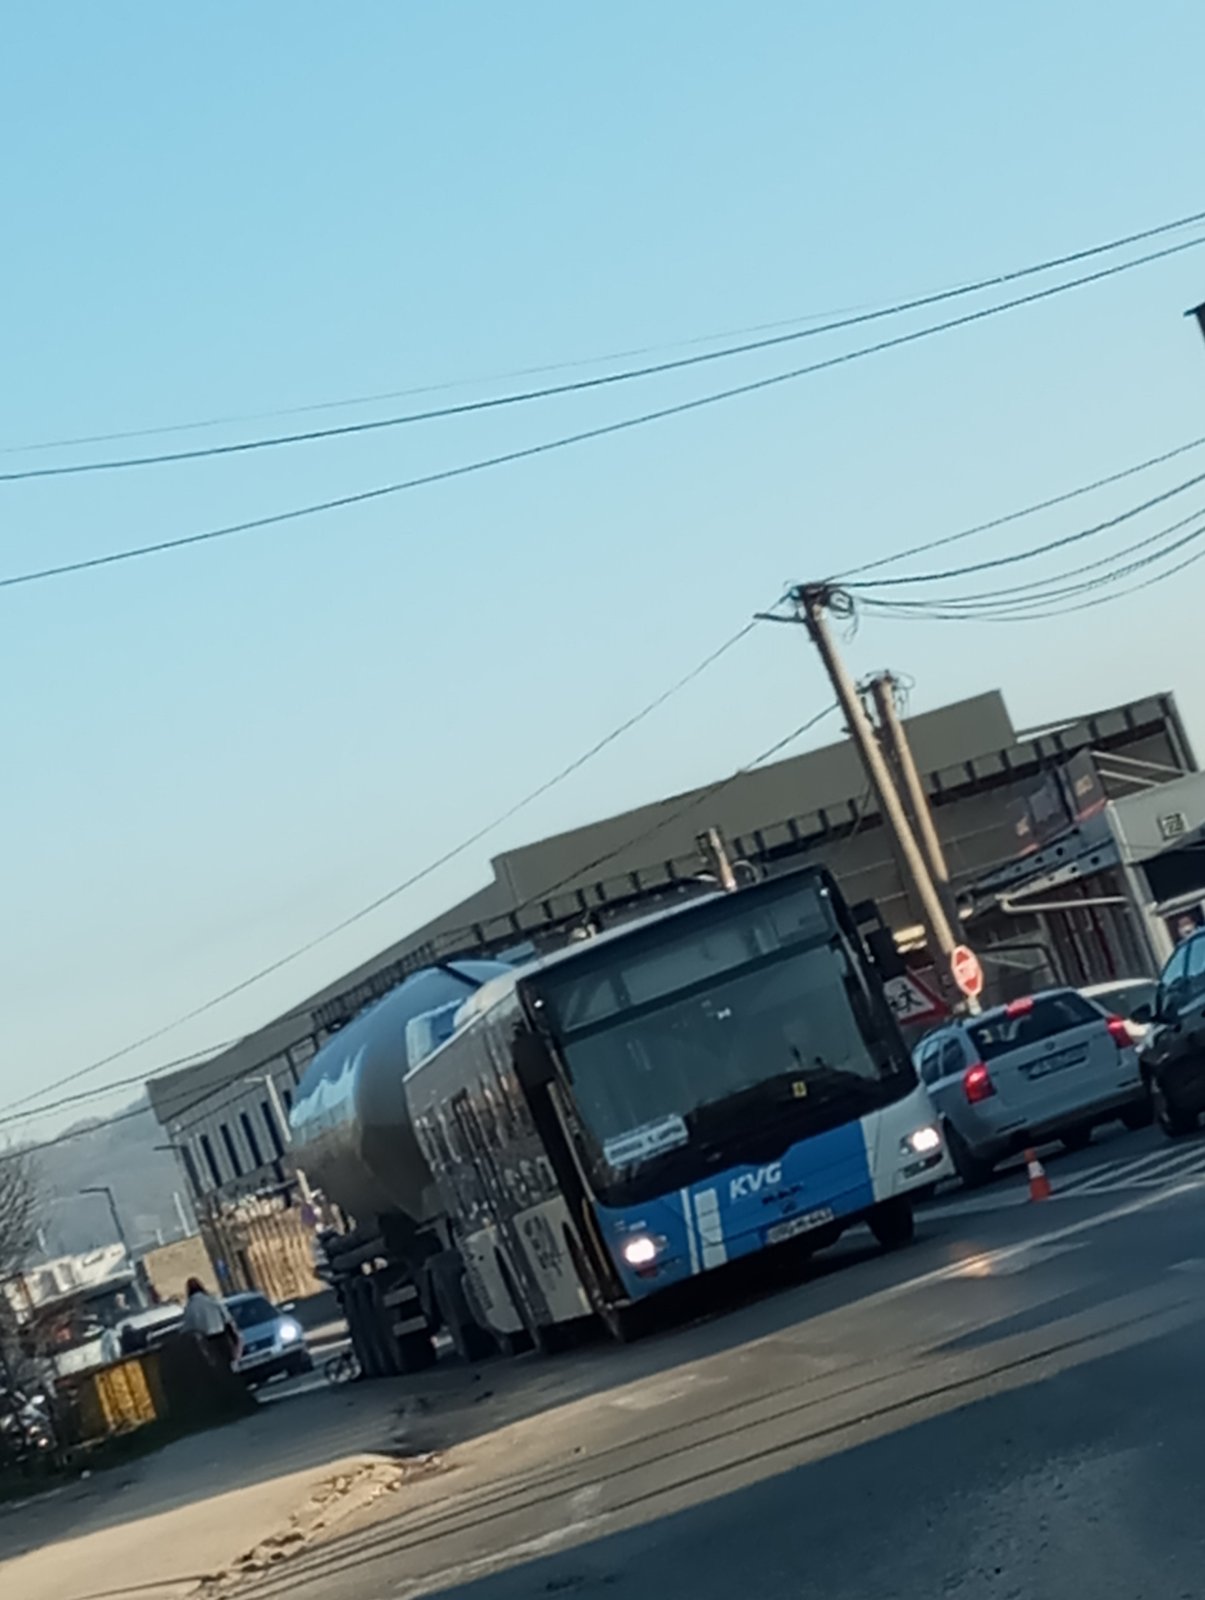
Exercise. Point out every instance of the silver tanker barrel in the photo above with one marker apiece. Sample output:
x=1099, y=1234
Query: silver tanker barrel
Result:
x=353, y=1139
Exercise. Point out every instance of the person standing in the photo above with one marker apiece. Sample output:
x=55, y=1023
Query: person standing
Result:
x=207, y=1318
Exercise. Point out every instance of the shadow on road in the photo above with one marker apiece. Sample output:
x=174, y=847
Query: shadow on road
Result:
x=1078, y=1475
x=455, y=1404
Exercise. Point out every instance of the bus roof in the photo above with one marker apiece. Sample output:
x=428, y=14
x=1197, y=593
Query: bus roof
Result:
x=495, y=990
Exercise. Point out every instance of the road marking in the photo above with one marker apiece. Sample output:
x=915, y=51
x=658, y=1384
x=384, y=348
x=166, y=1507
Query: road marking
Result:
x=1038, y=1256
x=1162, y=1166
x=987, y=1259
x=648, y=1395
x=1118, y=1176
x=581, y=1522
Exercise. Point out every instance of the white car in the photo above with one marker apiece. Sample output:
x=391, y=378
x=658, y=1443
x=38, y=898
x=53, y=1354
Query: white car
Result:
x=273, y=1341
x=1048, y=1066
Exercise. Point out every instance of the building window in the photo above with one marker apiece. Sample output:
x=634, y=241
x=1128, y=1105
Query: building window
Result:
x=211, y=1161
x=236, y=1165
x=190, y=1169
x=252, y=1142
x=273, y=1131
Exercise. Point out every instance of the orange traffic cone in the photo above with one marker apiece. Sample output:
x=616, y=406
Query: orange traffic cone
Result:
x=1039, y=1183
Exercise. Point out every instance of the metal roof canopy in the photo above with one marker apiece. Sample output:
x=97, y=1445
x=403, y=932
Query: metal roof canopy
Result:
x=974, y=724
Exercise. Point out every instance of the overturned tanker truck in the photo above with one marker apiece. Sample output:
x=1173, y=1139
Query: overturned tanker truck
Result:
x=517, y=1149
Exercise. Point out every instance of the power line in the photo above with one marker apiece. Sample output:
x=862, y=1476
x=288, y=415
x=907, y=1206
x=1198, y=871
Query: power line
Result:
x=17, y=1152
x=604, y=380
x=1036, y=550
x=1016, y=516
x=1002, y=614
x=691, y=804
x=547, y=446
x=136, y=1080
x=1037, y=589
x=348, y=402
x=399, y=888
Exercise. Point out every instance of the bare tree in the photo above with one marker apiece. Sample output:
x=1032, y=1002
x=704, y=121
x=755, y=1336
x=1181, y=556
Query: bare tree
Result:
x=17, y=1208
x=18, y=1202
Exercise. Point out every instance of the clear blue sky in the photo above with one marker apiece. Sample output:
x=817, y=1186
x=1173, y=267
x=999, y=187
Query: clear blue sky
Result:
x=212, y=210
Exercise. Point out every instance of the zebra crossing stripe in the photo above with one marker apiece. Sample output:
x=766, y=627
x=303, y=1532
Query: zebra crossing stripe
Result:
x=1161, y=1167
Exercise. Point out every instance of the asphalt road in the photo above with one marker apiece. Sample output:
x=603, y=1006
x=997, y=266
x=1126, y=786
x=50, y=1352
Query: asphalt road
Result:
x=1013, y=1407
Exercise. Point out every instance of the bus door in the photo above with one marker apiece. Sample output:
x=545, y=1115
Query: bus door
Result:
x=522, y=1282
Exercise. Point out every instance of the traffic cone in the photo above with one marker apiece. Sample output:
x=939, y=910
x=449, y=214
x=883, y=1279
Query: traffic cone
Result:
x=1039, y=1183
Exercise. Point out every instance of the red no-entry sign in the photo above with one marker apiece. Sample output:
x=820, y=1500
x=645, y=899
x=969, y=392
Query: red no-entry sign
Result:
x=965, y=970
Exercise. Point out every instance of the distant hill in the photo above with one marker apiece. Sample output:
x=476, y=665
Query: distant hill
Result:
x=123, y=1155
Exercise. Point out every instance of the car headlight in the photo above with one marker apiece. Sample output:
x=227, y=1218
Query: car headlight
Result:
x=921, y=1142
x=290, y=1332
x=639, y=1250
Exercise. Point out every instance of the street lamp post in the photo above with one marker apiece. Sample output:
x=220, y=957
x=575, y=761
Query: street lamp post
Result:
x=103, y=1188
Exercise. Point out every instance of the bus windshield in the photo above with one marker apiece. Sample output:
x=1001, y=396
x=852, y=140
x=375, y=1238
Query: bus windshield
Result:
x=705, y=1033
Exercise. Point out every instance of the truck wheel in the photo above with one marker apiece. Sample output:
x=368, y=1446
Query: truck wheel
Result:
x=893, y=1223
x=453, y=1307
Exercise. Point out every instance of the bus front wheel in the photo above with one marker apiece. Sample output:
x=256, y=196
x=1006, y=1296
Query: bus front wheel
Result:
x=893, y=1223
x=623, y=1323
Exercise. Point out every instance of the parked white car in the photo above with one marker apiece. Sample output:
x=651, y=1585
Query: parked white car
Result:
x=1048, y=1066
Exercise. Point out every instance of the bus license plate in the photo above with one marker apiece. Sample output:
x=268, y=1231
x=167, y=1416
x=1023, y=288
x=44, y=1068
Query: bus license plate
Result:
x=794, y=1226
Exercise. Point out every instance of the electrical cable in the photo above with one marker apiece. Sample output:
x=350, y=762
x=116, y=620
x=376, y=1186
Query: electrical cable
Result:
x=1034, y=551
x=414, y=878
x=196, y=1058
x=692, y=804
x=1037, y=590
x=680, y=408
x=604, y=380
x=1062, y=610
x=20, y=1151
x=347, y=402
x=1016, y=516
x=663, y=822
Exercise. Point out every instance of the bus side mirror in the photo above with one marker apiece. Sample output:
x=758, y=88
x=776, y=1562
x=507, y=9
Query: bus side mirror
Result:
x=533, y=1064
x=884, y=953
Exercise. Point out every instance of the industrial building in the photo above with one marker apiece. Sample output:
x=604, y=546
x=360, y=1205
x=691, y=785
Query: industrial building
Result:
x=1077, y=851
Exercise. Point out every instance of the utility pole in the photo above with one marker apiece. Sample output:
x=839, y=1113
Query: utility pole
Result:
x=812, y=600
x=715, y=853
x=899, y=754
x=104, y=1189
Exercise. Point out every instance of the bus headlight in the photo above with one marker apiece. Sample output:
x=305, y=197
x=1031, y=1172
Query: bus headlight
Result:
x=640, y=1250
x=921, y=1142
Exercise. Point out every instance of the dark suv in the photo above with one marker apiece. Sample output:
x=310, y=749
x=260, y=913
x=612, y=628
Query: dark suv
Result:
x=1173, y=1059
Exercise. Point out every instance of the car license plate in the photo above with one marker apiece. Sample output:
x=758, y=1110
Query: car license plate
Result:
x=1055, y=1063
x=794, y=1226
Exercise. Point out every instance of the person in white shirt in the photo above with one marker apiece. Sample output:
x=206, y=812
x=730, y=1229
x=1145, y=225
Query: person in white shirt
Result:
x=208, y=1318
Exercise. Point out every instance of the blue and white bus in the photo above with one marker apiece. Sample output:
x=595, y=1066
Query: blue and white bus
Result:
x=647, y=1105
